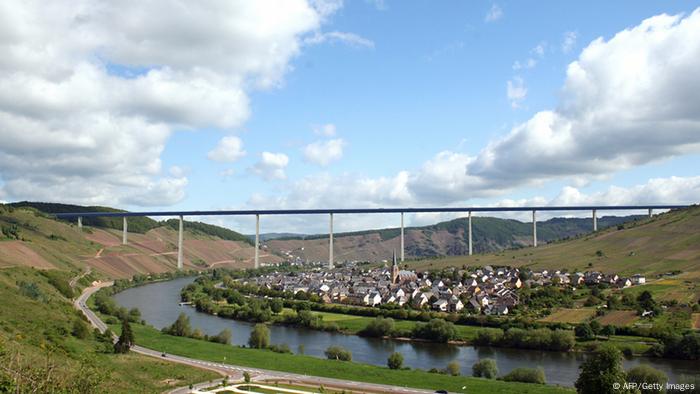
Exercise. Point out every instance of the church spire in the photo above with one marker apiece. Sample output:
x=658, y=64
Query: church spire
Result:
x=394, y=268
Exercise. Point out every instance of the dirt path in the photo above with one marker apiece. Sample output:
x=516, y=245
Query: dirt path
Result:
x=75, y=280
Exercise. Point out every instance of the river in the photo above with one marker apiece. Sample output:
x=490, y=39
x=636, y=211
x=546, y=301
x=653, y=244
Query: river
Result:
x=158, y=303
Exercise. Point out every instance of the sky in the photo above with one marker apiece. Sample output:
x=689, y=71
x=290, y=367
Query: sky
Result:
x=148, y=105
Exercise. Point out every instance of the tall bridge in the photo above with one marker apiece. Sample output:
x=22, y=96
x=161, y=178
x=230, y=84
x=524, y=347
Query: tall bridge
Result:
x=269, y=212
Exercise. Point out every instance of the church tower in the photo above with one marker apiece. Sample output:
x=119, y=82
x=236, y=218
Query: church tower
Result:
x=394, y=268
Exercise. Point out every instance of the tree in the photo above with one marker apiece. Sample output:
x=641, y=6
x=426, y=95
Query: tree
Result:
x=453, y=368
x=276, y=305
x=584, y=331
x=601, y=372
x=646, y=302
x=437, y=330
x=222, y=337
x=646, y=374
x=485, y=368
x=378, y=327
x=395, y=360
x=595, y=327
x=134, y=315
x=608, y=330
x=181, y=327
x=80, y=329
x=259, y=337
x=126, y=338
x=338, y=353
x=246, y=377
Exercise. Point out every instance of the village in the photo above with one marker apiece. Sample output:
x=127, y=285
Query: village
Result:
x=487, y=290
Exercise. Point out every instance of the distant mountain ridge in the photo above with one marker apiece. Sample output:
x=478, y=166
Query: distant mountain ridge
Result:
x=31, y=236
x=442, y=239
x=137, y=224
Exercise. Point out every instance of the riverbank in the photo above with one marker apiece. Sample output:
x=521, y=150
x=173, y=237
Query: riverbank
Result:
x=151, y=338
x=158, y=303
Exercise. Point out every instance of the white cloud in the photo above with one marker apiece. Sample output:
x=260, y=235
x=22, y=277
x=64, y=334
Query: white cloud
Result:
x=326, y=130
x=516, y=91
x=349, y=191
x=539, y=49
x=627, y=101
x=91, y=91
x=568, y=41
x=271, y=166
x=495, y=13
x=529, y=63
x=610, y=118
x=327, y=7
x=229, y=150
x=351, y=39
x=378, y=4
x=323, y=153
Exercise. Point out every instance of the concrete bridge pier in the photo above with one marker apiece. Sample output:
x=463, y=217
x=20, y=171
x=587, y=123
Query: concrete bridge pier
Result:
x=257, y=241
x=330, y=244
x=595, y=221
x=80, y=223
x=534, y=228
x=124, y=230
x=402, y=255
x=470, y=233
x=179, y=245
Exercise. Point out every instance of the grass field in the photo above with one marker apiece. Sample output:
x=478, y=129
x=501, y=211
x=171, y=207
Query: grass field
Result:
x=667, y=242
x=566, y=315
x=618, y=318
x=352, y=324
x=154, y=339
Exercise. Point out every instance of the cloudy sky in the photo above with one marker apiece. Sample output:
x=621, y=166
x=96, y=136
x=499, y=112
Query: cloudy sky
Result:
x=324, y=103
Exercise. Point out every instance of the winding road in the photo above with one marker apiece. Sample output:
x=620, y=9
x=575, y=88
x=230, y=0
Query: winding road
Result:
x=235, y=372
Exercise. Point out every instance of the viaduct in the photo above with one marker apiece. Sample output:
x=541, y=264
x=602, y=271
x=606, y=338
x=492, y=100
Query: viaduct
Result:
x=268, y=212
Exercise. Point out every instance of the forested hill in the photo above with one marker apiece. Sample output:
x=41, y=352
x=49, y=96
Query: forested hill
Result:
x=137, y=224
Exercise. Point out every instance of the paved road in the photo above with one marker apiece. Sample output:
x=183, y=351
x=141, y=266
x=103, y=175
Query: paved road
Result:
x=236, y=372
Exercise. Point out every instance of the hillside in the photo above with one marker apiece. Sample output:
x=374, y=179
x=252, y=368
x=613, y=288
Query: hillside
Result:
x=33, y=238
x=442, y=239
x=663, y=244
x=47, y=346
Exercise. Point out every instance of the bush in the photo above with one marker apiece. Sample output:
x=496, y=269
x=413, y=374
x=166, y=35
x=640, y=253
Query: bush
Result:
x=485, y=368
x=29, y=289
x=59, y=283
x=437, y=330
x=601, y=371
x=526, y=375
x=379, y=327
x=259, y=337
x=80, y=329
x=180, y=328
x=453, y=368
x=584, y=331
x=338, y=353
x=646, y=374
x=283, y=348
x=222, y=337
x=395, y=361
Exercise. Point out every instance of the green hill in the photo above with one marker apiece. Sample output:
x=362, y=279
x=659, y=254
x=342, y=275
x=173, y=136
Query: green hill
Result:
x=137, y=224
x=666, y=245
x=47, y=346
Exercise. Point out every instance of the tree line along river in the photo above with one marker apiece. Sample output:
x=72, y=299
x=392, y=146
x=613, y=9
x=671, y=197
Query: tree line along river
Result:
x=159, y=306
